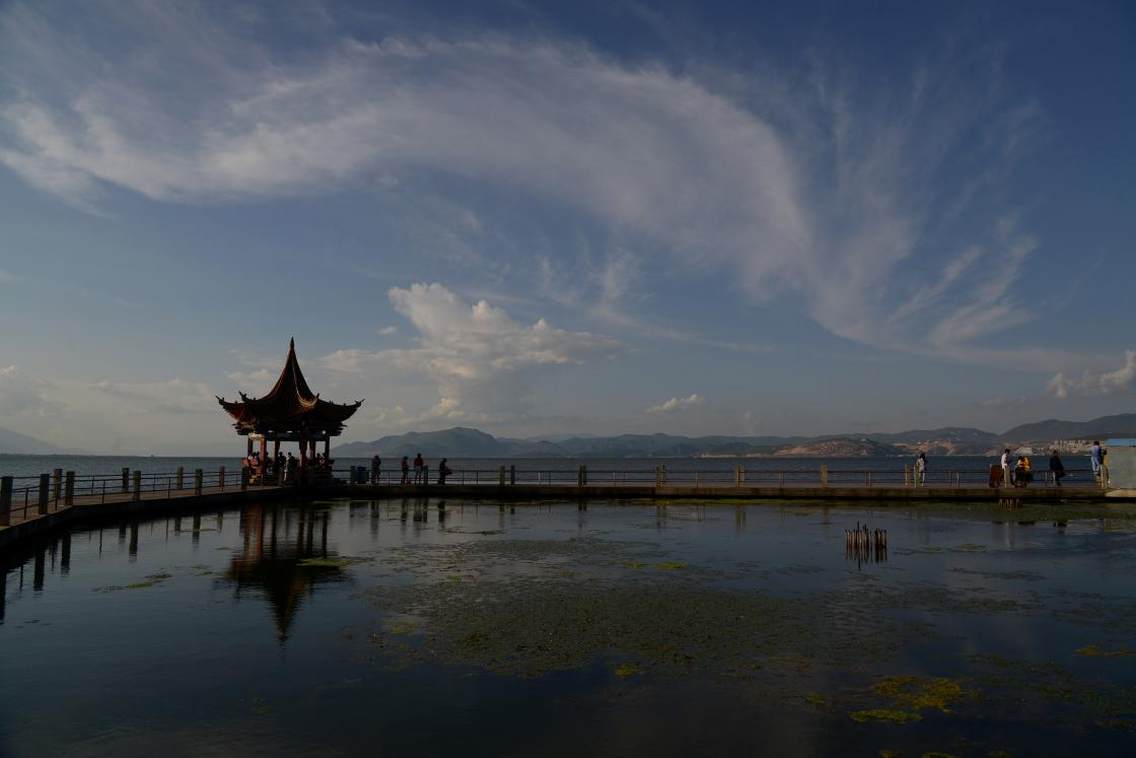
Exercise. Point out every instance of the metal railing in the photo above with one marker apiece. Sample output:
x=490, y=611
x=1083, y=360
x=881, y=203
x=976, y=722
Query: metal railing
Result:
x=26, y=497
x=820, y=476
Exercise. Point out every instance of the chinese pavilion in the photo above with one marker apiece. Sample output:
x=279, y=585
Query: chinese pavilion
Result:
x=290, y=412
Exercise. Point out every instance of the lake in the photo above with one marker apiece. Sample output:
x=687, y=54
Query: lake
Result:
x=626, y=628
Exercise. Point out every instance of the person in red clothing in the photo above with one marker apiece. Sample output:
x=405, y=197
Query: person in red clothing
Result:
x=418, y=465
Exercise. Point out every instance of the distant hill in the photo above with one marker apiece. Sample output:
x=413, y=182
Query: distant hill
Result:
x=14, y=443
x=1120, y=425
x=463, y=442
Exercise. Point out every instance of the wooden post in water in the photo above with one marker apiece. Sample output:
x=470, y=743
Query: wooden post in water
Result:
x=69, y=488
x=44, y=483
x=198, y=481
x=137, y=485
x=181, y=477
x=125, y=480
x=56, y=484
x=501, y=476
x=5, y=500
x=824, y=475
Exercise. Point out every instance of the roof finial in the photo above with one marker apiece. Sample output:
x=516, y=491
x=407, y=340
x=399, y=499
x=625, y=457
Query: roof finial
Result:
x=292, y=343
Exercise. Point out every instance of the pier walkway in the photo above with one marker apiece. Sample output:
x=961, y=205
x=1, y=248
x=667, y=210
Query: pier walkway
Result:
x=33, y=505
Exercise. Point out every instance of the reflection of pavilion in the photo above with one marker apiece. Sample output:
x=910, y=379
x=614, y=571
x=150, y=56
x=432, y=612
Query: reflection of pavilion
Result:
x=285, y=556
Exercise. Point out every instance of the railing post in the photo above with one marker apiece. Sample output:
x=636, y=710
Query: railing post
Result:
x=501, y=476
x=742, y=471
x=824, y=475
x=244, y=478
x=56, y=484
x=868, y=478
x=44, y=483
x=125, y=480
x=198, y=481
x=906, y=475
x=584, y=476
x=137, y=485
x=737, y=476
x=69, y=488
x=512, y=474
x=221, y=477
x=5, y=500
x=181, y=477
x=664, y=468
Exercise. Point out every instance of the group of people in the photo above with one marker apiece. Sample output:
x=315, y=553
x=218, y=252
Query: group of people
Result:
x=421, y=470
x=1019, y=472
x=283, y=468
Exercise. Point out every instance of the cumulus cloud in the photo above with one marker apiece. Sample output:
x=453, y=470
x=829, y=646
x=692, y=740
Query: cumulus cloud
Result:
x=678, y=404
x=1094, y=383
x=482, y=361
x=833, y=192
x=387, y=331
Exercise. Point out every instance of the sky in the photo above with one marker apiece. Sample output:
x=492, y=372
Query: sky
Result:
x=540, y=218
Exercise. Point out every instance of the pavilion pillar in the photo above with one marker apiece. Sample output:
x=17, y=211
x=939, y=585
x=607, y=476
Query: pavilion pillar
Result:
x=275, y=457
x=263, y=458
x=249, y=440
x=327, y=447
x=303, y=453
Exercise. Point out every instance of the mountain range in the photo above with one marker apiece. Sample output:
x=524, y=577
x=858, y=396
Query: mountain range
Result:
x=461, y=442
x=14, y=443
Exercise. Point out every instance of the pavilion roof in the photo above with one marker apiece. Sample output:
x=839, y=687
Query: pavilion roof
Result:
x=290, y=410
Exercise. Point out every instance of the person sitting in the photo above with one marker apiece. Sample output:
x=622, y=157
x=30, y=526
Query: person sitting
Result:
x=1022, y=472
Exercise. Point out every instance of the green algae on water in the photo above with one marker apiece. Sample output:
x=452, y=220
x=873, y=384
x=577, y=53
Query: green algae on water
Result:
x=885, y=714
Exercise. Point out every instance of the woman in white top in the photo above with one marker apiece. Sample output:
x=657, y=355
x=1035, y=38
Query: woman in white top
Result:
x=1007, y=472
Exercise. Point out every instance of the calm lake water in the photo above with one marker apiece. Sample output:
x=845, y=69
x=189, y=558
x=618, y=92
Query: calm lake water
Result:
x=431, y=628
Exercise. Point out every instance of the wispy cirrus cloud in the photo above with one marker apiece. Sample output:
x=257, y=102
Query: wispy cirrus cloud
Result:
x=843, y=193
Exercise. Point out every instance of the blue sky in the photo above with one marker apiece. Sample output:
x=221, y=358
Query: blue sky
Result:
x=541, y=218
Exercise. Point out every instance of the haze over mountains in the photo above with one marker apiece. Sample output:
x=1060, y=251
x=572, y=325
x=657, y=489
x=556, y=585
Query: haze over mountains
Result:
x=21, y=444
x=460, y=442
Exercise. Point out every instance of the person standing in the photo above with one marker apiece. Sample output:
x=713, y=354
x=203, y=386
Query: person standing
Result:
x=405, y=470
x=443, y=471
x=921, y=470
x=376, y=468
x=1007, y=477
x=1056, y=468
x=1095, y=458
x=418, y=465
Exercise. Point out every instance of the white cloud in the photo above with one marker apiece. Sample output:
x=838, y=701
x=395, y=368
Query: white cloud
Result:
x=1097, y=383
x=834, y=192
x=387, y=331
x=481, y=360
x=678, y=404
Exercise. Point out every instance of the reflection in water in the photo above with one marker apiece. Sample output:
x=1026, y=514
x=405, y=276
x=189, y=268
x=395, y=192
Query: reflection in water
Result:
x=283, y=566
